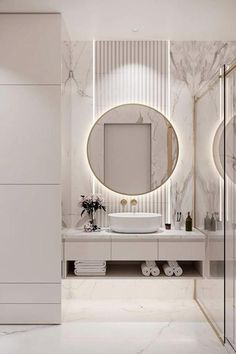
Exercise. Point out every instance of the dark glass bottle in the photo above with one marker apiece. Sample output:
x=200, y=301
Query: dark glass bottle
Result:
x=213, y=223
x=188, y=223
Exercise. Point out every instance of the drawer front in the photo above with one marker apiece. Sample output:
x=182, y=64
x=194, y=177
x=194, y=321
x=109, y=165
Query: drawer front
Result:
x=90, y=250
x=134, y=250
x=30, y=313
x=180, y=250
x=30, y=293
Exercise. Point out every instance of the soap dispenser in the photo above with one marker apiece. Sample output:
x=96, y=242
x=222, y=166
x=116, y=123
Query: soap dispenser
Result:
x=207, y=222
x=188, y=223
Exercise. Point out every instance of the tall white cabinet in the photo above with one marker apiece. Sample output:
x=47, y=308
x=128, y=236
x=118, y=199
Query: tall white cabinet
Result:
x=30, y=168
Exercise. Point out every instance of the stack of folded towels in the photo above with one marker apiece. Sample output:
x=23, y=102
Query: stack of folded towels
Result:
x=171, y=268
x=90, y=268
x=150, y=268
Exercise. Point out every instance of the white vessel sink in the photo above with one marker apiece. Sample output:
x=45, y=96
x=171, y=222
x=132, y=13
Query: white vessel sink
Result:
x=135, y=222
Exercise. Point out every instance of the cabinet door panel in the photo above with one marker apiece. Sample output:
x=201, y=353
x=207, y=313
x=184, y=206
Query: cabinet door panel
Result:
x=30, y=150
x=30, y=240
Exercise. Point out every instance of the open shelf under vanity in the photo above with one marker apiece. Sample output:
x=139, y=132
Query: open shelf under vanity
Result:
x=132, y=269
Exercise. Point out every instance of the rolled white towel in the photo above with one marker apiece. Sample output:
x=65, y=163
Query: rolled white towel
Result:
x=155, y=271
x=150, y=264
x=145, y=270
x=178, y=271
x=168, y=270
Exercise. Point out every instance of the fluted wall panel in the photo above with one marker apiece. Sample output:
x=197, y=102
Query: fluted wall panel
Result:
x=132, y=72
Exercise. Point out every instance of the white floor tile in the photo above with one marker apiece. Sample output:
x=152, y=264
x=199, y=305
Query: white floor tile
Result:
x=127, y=327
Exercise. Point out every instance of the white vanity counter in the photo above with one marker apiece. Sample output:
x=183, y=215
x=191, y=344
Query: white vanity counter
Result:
x=110, y=246
x=106, y=234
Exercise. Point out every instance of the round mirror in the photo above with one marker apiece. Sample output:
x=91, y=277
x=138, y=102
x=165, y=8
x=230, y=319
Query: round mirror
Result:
x=132, y=149
x=230, y=149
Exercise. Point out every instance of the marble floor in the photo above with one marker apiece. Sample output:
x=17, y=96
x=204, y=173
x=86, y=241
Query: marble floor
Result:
x=99, y=324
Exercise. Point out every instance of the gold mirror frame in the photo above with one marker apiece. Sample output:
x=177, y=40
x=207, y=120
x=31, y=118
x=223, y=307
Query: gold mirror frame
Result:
x=168, y=123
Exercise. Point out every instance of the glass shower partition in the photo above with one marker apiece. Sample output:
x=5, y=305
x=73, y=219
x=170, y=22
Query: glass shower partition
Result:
x=230, y=202
x=209, y=197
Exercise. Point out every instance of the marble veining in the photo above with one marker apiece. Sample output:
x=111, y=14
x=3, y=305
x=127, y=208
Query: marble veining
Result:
x=193, y=63
x=82, y=119
x=65, y=131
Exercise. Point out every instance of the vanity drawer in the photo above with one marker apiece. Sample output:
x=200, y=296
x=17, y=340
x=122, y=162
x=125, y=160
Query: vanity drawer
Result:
x=134, y=250
x=181, y=250
x=89, y=250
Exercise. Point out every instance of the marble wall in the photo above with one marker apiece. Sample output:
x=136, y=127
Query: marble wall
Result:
x=66, y=129
x=82, y=120
x=193, y=63
x=140, y=72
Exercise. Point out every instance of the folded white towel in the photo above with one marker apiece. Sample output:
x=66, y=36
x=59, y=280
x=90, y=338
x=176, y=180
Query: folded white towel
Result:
x=145, y=270
x=155, y=271
x=150, y=264
x=168, y=270
x=79, y=273
x=90, y=267
x=94, y=263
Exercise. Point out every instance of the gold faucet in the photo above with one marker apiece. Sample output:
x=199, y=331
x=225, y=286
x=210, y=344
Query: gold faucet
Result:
x=133, y=202
x=123, y=202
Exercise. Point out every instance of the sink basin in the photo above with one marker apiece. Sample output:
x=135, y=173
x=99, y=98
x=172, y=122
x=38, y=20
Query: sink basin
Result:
x=135, y=222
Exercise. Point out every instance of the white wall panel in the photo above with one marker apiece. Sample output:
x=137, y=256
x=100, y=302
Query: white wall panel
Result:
x=30, y=49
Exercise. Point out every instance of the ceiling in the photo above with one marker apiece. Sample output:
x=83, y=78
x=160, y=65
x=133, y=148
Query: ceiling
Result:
x=138, y=19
